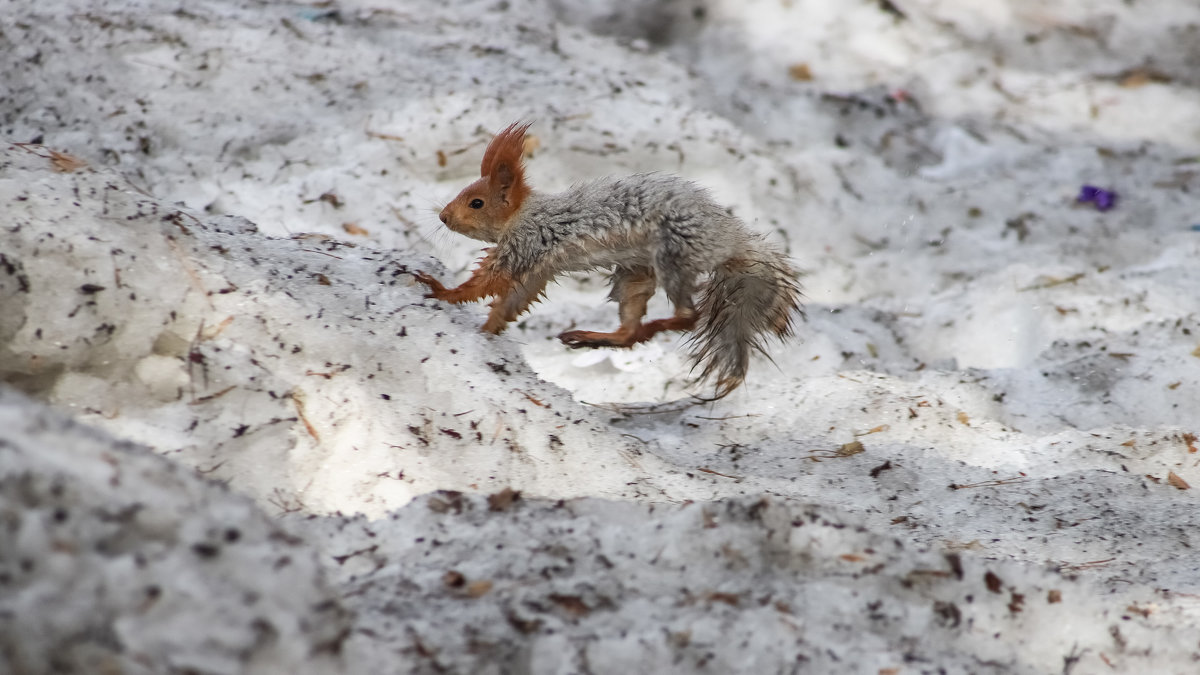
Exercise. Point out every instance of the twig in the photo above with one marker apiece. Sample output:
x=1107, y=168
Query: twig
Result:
x=298, y=400
x=383, y=136
x=1091, y=564
x=205, y=399
x=310, y=250
x=718, y=473
x=991, y=483
x=648, y=408
x=845, y=450
x=1055, y=281
x=61, y=161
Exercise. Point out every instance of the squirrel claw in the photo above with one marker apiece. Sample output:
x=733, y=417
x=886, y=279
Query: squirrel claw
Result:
x=575, y=339
x=433, y=284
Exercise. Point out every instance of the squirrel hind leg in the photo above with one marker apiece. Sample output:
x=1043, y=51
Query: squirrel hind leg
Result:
x=632, y=289
x=679, y=288
x=629, y=335
x=684, y=320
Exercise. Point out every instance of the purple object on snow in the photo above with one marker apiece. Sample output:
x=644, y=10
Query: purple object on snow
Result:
x=1103, y=199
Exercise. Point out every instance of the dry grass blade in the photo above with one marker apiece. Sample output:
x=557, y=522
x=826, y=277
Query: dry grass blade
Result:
x=61, y=161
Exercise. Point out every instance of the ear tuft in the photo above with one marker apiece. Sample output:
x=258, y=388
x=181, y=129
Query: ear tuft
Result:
x=503, y=164
x=507, y=147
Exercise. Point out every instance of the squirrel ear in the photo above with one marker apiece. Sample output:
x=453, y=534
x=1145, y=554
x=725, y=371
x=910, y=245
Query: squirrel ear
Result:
x=502, y=179
x=503, y=166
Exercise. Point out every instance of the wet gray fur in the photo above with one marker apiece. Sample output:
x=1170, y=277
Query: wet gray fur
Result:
x=673, y=227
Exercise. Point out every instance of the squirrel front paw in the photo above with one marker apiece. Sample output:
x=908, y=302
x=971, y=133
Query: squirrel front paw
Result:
x=575, y=339
x=434, y=285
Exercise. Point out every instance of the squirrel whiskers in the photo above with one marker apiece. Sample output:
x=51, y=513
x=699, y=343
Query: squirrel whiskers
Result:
x=650, y=230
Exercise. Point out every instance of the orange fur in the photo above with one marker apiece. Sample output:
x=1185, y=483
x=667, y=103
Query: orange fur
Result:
x=482, y=211
x=511, y=297
x=499, y=192
x=506, y=148
x=631, y=297
x=487, y=280
x=504, y=167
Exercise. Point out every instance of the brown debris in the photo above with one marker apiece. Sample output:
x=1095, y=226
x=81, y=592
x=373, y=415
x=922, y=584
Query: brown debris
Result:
x=573, y=604
x=990, y=483
x=298, y=399
x=800, y=72
x=1016, y=603
x=731, y=599
x=718, y=473
x=994, y=583
x=851, y=448
x=502, y=500
x=60, y=161
x=479, y=588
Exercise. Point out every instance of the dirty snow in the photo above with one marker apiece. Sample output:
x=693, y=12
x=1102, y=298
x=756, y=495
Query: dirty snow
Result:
x=980, y=455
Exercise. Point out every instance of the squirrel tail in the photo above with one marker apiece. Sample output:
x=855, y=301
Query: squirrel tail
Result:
x=753, y=294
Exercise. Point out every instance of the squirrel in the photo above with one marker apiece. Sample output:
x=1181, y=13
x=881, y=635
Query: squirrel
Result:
x=649, y=230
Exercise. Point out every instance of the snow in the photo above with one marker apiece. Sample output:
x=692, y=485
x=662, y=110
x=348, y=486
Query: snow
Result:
x=116, y=560
x=979, y=455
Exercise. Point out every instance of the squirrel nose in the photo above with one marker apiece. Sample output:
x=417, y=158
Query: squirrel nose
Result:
x=443, y=216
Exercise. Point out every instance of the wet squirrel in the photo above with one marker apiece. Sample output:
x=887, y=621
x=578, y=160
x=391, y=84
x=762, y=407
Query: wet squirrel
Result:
x=649, y=230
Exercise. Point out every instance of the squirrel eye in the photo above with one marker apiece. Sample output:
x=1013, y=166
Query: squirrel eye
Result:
x=476, y=204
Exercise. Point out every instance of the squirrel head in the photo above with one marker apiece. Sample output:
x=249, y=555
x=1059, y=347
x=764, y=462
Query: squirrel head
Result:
x=484, y=208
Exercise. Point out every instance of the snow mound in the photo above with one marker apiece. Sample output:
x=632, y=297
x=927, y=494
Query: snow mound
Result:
x=113, y=559
x=465, y=583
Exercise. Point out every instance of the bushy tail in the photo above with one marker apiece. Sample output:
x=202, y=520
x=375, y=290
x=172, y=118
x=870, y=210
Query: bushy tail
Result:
x=749, y=296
